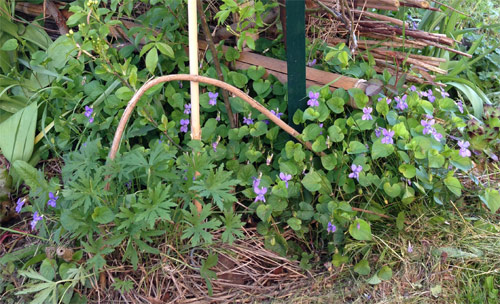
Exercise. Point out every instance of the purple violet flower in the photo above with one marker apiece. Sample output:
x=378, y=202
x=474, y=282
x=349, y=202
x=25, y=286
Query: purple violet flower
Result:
x=184, y=124
x=311, y=63
x=213, y=98
x=180, y=84
x=218, y=116
x=387, y=139
x=413, y=88
x=444, y=94
x=36, y=219
x=460, y=106
x=358, y=226
x=313, y=99
x=88, y=111
x=187, y=109
x=19, y=204
x=366, y=113
x=331, y=228
x=401, y=103
x=285, y=177
x=214, y=146
x=260, y=194
x=355, y=171
x=256, y=182
x=249, y=120
x=464, y=152
x=437, y=136
x=378, y=131
x=427, y=126
x=52, y=200
x=277, y=113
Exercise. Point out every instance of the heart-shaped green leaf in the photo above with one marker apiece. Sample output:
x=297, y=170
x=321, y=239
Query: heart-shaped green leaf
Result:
x=261, y=87
x=256, y=73
x=380, y=150
x=491, y=198
x=392, y=190
x=408, y=170
x=363, y=268
x=335, y=133
x=355, y=147
x=264, y=212
x=360, y=230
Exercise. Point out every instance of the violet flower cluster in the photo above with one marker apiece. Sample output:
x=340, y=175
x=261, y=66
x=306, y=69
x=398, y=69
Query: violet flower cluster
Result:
x=401, y=103
x=429, y=129
x=259, y=191
x=88, y=113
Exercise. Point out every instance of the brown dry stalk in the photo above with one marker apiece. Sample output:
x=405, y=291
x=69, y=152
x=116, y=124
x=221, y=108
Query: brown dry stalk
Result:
x=57, y=16
x=210, y=42
x=185, y=77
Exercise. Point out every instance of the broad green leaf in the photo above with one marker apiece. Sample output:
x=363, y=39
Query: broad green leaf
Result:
x=18, y=134
x=453, y=185
x=336, y=104
x=312, y=181
x=256, y=73
x=239, y=79
x=360, y=230
x=294, y=223
x=152, y=60
x=385, y=273
x=103, y=215
x=355, y=147
x=363, y=268
x=48, y=269
x=231, y=54
x=392, y=190
x=165, y=49
x=408, y=170
x=491, y=198
x=335, y=133
x=264, y=212
x=380, y=150
x=261, y=87
x=329, y=161
x=9, y=45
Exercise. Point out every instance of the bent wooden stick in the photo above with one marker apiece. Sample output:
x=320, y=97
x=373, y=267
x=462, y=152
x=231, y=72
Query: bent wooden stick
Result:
x=196, y=78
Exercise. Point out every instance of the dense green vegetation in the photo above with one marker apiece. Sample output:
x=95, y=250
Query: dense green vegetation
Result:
x=404, y=183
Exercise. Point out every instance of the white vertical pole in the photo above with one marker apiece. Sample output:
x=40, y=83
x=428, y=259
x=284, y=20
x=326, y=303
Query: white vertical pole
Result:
x=193, y=69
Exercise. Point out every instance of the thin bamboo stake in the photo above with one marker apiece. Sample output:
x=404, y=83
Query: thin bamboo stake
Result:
x=193, y=69
x=196, y=78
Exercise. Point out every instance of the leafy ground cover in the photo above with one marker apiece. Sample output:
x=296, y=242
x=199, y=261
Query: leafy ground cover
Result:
x=394, y=200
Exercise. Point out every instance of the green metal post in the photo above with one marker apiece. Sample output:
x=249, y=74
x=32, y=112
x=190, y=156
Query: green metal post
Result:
x=296, y=57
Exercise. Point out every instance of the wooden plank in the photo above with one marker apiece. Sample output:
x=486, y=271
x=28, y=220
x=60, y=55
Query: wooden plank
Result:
x=279, y=69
